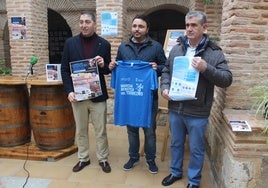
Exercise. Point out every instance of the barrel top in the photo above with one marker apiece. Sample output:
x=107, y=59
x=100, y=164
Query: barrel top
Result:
x=12, y=80
x=42, y=81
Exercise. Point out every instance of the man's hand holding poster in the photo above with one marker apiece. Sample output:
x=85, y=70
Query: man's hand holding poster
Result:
x=85, y=77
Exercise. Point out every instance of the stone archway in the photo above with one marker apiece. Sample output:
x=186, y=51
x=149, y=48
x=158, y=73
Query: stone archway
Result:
x=173, y=19
x=162, y=15
x=4, y=36
x=58, y=32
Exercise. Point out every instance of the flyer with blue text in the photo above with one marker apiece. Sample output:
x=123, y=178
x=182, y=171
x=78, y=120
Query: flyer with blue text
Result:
x=184, y=79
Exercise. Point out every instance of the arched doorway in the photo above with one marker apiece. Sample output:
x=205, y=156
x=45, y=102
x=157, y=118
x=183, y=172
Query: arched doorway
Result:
x=58, y=32
x=6, y=47
x=164, y=19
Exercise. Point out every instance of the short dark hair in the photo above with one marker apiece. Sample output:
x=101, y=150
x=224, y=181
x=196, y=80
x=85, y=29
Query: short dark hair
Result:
x=90, y=13
x=142, y=17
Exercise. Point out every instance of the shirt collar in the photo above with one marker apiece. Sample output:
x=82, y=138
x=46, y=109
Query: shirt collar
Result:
x=199, y=46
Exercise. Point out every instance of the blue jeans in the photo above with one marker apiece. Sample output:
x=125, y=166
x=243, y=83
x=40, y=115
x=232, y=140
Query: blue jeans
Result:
x=195, y=127
x=149, y=138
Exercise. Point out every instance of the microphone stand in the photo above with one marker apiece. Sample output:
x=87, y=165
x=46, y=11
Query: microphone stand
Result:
x=30, y=71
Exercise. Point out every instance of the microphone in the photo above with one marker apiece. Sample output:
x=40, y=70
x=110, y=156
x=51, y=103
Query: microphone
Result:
x=33, y=61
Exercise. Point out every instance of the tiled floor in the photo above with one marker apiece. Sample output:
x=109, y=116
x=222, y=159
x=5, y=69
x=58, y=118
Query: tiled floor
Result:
x=59, y=174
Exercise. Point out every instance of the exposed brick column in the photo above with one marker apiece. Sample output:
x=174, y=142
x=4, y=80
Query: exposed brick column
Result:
x=111, y=6
x=119, y=7
x=37, y=37
x=244, y=41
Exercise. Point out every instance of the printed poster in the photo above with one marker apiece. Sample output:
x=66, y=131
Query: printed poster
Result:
x=240, y=125
x=171, y=39
x=109, y=24
x=184, y=79
x=85, y=77
x=53, y=72
x=18, y=26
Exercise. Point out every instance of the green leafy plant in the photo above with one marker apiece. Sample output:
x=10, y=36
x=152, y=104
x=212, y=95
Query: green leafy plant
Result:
x=214, y=39
x=260, y=97
x=4, y=70
x=207, y=2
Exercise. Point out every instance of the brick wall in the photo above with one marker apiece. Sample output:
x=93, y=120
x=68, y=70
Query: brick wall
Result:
x=112, y=6
x=244, y=39
x=36, y=44
x=239, y=27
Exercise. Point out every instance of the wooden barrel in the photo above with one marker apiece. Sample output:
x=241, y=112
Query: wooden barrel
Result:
x=51, y=117
x=14, y=117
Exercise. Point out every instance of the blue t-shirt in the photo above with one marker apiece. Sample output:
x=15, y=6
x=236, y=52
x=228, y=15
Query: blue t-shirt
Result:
x=133, y=81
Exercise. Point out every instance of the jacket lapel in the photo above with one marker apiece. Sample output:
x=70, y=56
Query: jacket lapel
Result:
x=78, y=47
x=97, y=47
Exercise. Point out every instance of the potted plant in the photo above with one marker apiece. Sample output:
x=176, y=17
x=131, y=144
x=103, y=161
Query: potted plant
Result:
x=4, y=70
x=260, y=97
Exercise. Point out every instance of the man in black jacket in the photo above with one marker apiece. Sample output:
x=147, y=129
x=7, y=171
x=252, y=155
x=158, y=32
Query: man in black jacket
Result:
x=88, y=45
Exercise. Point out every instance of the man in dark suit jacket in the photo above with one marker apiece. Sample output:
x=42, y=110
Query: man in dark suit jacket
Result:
x=88, y=45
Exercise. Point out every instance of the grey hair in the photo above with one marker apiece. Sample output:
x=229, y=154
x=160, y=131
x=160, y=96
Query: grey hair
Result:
x=89, y=13
x=199, y=14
